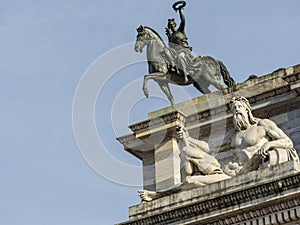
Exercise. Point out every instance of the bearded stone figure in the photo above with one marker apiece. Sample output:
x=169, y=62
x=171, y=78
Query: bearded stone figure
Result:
x=256, y=142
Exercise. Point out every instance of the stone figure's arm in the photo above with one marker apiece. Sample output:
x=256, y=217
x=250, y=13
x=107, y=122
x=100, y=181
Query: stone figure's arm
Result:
x=227, y=140
x=192, y=147
x=233, y=167
x=200, y=146
x=183, y=136
x=278, y=138
x=182, y=23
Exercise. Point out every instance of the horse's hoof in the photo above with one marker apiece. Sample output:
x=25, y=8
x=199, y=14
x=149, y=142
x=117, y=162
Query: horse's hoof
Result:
x=186, y=80
x=146, y=94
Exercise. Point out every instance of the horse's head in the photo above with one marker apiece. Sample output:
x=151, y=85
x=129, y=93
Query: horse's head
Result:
x=142, y=39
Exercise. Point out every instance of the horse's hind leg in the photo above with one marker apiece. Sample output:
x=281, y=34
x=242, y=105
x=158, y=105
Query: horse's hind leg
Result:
x=215, y=81
x=203, y=89
x=218, y=84
x=145, y=89
x=166, y=89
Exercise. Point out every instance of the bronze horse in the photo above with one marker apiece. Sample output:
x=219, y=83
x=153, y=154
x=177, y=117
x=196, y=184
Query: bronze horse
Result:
x=207, y=72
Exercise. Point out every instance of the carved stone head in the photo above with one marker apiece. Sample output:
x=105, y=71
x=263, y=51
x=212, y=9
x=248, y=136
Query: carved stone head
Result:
x=242, y=114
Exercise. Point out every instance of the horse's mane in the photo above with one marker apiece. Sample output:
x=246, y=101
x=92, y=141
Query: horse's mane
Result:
x=156, y=34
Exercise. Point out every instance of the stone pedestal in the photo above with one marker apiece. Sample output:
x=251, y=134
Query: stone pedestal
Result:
x=154, y=142
x=167, y=164
x=268, y=196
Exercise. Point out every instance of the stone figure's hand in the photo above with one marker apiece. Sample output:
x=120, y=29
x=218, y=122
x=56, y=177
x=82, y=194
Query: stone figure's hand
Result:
x=263, y=151
x=232, y=169
x=180, y=133
x=182, y=136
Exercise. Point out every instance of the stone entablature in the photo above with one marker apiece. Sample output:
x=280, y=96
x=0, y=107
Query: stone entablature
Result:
x=144, y=139
x=271, y=195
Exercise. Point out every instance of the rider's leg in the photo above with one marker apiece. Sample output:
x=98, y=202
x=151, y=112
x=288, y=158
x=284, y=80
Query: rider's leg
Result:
x=168, y=56
x=181, y=65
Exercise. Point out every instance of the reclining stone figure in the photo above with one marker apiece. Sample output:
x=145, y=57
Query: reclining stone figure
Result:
x=256, y=142
x=199, y=167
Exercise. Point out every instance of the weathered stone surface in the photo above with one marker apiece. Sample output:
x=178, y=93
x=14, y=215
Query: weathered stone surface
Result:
x=167, y=165
x=266, y=196
x=149, y=179
x=256, y=142
x=274, y=191
x=208, y=117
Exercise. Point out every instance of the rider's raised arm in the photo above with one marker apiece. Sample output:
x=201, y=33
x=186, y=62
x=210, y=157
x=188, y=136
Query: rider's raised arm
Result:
x=182, y=23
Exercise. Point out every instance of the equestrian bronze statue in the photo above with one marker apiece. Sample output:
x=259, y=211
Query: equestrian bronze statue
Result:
x=175, y=63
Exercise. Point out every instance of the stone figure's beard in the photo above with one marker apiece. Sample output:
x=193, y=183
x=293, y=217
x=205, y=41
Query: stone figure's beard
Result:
x=240, y=121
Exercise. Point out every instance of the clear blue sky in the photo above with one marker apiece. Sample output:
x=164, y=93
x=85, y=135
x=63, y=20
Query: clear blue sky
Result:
x=46, y=47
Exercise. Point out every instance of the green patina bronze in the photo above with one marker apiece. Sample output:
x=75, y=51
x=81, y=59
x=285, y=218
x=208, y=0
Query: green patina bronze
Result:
x=175, y=63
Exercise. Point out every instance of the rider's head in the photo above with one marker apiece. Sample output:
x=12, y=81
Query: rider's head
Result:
x=172, y=24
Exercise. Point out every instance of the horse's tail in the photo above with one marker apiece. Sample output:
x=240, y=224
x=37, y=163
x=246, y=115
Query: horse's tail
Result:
x=228, y=80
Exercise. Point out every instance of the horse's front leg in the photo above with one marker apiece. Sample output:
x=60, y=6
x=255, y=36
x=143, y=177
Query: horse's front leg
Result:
x=166, y=89
x=145, y=89
x=152, y=76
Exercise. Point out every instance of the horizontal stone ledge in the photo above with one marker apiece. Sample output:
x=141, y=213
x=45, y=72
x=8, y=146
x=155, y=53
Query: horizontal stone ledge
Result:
x=235, y=188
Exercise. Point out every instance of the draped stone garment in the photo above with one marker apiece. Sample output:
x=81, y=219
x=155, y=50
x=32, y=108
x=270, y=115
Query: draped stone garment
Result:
x=204, y=162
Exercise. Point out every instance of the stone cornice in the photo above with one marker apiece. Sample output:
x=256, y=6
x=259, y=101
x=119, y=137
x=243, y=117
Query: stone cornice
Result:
x=284, y=211
x=225, y=201
x=126, y=138
x=201, y=116
x=263, y=188
x=168, y=118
